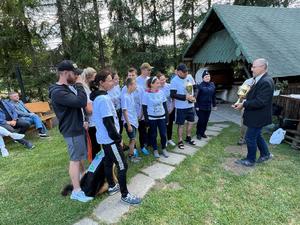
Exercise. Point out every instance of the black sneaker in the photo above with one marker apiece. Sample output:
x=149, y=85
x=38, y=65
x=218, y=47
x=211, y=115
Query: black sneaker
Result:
x=199, y=137
x=43, y=135
x=26, y=143
x=265, y=158
x=245, y=162
x=204, y=136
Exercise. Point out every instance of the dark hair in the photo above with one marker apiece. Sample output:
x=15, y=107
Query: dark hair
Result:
x=131, y=69
x=101, y=76
x=129, y=81
x=160, y=74
x=151, y=80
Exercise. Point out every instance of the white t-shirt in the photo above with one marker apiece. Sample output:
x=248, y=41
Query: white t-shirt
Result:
x=137, y=96
x=154, y=102
x=179, y=85
x=142, y=82
x=127, y=102
x=166, y=90
x=115, y=95
x=103, y=107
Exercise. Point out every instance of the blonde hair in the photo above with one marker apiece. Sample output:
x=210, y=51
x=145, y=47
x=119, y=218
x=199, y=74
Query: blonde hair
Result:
x=86, y=76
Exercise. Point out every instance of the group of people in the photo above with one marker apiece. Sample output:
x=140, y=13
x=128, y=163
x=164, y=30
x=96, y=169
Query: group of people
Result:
x=15, y=119
x=93, y=103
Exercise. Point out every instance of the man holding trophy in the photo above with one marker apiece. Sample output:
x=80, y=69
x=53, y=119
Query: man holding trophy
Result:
x=257, y=112
x=182, y=90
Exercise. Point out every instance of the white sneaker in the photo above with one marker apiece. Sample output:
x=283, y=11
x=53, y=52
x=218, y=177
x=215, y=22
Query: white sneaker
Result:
x=171, y=142
x=165, y=153
x=17, y=136
x=4, y=152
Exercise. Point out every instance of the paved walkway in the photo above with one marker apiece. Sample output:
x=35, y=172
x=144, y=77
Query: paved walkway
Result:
x=142, y=182
x=225, y=113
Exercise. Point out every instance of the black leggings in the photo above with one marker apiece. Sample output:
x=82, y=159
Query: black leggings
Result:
x=143, y=134
x=170, y=124
x=114, y=154
x=119, y=113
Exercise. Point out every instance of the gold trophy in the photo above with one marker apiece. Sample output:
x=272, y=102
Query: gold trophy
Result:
x=190, y=90
x=242, y=93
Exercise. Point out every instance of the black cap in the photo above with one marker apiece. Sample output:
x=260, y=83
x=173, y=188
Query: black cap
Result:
x=68, y=65
x=182, y=67
x=205, y=72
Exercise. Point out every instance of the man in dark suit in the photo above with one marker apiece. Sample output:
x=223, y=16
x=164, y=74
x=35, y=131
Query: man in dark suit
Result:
x=258, y=113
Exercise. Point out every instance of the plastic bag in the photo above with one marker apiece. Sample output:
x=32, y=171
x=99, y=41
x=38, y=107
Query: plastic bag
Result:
x=277, y=136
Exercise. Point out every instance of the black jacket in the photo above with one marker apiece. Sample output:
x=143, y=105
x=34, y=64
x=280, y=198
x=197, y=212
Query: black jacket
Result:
x=68, y=108
x=206, y=96
x=258, y=104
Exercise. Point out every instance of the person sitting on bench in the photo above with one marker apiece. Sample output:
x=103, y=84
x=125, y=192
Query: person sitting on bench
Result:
x=25, y=114
x=10, y=121
x=6, y=133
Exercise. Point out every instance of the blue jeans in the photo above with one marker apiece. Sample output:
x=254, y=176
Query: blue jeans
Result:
x=35, y=119
x=162, y=127
x=255, y=140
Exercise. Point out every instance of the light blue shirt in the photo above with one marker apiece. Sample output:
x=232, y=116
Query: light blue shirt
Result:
x=103, y=107
x=142, y=82
x=115, y=95
x=154, y=102
x=127, y=102
x=179, y=85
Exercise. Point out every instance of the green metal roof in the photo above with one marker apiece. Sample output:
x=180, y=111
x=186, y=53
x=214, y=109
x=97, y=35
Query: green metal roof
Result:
x=218, y=44
x=258, y=32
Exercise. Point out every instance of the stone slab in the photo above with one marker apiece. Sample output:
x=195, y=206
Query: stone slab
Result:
x=212, y=133
x=223, y=125
x=230, y=165
x=158, y=170
x=139, y=185
x=202, y=142
x=86, y=221
x=214, y=128
x=188, y=150
x=173, y=159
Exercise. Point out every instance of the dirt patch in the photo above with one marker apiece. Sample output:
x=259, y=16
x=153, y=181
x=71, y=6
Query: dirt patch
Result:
x=237, y=149
x=163, y=186
x=239, y=170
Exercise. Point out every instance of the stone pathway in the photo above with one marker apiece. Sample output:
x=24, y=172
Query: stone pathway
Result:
x=142, y=182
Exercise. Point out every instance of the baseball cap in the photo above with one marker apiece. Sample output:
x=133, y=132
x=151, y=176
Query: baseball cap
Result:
x=182, y=67
x=146, y=66
x=68, y=65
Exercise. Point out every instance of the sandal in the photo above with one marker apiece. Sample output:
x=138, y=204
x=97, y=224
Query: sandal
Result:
x=180, y=145
x=189, y=140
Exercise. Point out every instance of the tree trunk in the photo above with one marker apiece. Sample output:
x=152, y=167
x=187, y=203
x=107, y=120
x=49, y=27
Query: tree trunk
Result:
x=63, y=28
x=99, y=35
x=155, y=22
x=193, y=19
x=174, y=33
x=143, y=25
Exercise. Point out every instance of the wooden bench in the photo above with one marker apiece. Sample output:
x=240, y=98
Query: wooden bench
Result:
x=42, y=109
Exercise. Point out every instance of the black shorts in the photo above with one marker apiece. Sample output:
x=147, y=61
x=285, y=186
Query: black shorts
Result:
x=183, y=115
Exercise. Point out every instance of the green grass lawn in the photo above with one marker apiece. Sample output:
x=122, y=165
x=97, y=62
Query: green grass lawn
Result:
x=31, y=181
